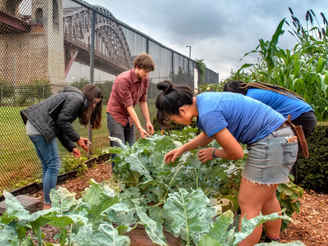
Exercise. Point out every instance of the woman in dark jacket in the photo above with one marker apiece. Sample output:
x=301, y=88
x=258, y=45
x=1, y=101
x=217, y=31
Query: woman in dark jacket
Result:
x=52, y=118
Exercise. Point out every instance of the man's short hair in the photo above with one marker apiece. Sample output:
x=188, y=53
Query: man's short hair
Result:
x=144, y=61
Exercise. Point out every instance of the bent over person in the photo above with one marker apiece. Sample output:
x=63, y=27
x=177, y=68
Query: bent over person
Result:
x=231, y=119
x=130, y=87
x=51, y=119
x=282, y=100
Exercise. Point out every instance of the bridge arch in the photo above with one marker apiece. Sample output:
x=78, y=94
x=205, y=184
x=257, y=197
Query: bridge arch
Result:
x=112, y=53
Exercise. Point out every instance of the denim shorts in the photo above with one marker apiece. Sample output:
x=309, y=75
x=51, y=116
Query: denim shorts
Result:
x=271, y=158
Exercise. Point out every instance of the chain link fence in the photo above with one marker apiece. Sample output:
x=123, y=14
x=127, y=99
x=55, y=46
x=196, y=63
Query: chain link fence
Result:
x=47, y=45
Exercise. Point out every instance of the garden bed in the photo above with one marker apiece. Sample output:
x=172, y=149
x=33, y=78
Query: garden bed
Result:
x=309, y=226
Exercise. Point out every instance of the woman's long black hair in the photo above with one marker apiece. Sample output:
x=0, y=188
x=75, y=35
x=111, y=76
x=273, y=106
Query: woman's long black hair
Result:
x=91, y=92
x=241, y=87
x=171, y=99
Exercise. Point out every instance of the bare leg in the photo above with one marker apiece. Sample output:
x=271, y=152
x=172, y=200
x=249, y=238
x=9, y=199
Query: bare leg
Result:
x=46, y=206
x=270, y=206
x=252, y=199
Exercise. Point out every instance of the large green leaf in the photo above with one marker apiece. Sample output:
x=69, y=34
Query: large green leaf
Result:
x=60, y=221
x=221, y=230
x=121, y=214
x=7, y=233
x=92, y=194
x=95, y=212
x=187, y=214
x=247, y=226
x=153, y=229
x=15, y=208
x=82, y=233
x=107, y=235
x=62, y=199
x=137, y=164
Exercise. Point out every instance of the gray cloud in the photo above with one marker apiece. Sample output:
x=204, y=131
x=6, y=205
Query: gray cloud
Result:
x=219, y=31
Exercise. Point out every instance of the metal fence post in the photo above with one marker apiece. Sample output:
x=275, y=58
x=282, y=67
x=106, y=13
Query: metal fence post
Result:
x=92, y=54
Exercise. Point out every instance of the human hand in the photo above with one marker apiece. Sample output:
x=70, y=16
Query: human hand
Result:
x=172, y=155
x=76, y=152
x=205, y=154
x=83, y=143
x=143, y=133
x=150, y=128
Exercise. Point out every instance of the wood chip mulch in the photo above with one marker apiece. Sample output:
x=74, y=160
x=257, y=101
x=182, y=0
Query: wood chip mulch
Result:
x=310, y=226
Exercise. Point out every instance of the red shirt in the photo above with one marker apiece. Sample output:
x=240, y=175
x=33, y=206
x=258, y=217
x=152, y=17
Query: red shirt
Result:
x=127, y=90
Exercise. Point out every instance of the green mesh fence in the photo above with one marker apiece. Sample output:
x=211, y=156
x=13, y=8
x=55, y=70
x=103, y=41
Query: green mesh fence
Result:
x=45, y=46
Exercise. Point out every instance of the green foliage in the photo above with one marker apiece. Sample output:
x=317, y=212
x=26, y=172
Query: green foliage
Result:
x=6, y=89
x=105, y=87
x=303, y=69
x=313, y=172
x=210, y=87
x=89, y=220
x=39, y=90
x=288, y=195
x=71, y=163
x=180, y=77
x=81, y=222
x=80, y=83
x=172, y=126
x=181, y=207
x=201, y=66
x=142, y=166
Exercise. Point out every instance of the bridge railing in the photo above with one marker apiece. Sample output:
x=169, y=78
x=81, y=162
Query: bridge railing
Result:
x=47, y=45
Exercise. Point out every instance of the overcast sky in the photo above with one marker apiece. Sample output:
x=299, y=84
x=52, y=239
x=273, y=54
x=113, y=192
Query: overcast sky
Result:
x=218, y=31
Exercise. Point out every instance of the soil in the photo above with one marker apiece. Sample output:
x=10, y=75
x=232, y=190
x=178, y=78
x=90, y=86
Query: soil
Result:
x=309, y=226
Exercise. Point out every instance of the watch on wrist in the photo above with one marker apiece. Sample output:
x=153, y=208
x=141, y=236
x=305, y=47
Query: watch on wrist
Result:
x=213, y=154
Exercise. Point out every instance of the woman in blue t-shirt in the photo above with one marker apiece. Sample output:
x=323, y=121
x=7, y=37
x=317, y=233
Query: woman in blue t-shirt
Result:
x=280, y=99
x=283, y=101
x=231, y=119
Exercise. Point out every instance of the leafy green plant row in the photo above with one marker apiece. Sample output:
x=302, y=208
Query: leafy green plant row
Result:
x=182, y=198
x=102, y=217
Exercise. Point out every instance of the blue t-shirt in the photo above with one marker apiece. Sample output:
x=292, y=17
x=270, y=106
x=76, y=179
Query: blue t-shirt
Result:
x=248, y=120
x=282, y=104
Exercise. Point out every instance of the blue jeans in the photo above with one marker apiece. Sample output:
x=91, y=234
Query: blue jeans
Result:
x=50, y=160
x=126, y=134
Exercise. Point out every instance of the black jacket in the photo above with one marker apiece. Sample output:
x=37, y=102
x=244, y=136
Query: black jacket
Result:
x=53, y=116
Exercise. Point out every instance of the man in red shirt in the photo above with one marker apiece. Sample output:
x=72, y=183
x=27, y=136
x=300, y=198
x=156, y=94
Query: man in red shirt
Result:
x=130, y=87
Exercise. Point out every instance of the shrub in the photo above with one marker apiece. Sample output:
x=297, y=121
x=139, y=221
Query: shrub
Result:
x=39, y=90
x=313, y=172
x=106, y=87
x=6, y=89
